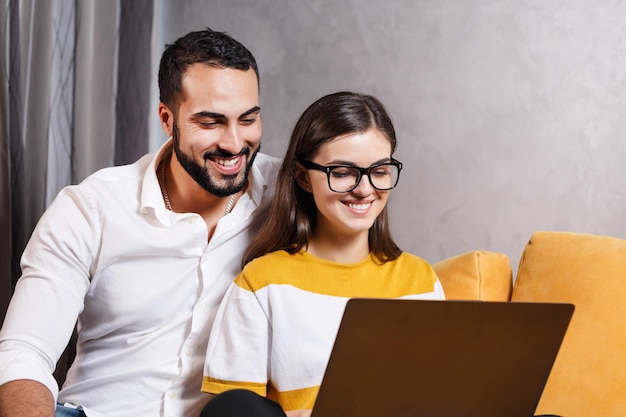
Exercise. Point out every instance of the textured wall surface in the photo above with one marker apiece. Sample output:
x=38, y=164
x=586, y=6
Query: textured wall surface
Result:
x=511, y=115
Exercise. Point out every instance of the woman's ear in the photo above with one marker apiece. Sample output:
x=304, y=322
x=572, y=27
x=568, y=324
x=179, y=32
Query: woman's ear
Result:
x=302, y=177
x=166, y=117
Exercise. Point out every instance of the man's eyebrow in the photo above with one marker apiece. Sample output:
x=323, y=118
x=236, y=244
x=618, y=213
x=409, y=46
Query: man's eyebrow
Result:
x=255, y=109
x=213, y=115
x=207, y=114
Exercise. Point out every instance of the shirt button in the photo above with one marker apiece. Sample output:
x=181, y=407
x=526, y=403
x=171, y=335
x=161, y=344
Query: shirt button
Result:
x=171, y=395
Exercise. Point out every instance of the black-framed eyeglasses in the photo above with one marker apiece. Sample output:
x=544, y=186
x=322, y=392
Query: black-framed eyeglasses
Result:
x=345, y=178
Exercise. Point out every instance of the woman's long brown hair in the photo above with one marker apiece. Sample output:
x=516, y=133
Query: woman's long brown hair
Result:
x=293, y=215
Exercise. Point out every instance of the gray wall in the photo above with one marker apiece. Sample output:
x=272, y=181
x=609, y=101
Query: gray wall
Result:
x=510, y=114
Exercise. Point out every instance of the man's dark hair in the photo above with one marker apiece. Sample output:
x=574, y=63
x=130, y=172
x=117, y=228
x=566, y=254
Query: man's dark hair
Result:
x=207, y=47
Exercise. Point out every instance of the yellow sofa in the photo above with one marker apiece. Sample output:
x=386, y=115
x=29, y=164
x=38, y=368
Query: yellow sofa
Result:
x=589, y=375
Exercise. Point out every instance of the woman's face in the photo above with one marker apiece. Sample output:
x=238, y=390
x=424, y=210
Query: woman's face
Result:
x=354, y=212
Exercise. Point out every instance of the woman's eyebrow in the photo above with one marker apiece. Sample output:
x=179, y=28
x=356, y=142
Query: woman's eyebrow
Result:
x=350, y=163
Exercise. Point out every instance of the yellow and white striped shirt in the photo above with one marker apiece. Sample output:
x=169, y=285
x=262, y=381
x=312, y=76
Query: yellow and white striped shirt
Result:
x=275, y=329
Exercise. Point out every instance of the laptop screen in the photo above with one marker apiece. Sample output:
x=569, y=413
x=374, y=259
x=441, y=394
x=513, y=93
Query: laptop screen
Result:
x=441, y=358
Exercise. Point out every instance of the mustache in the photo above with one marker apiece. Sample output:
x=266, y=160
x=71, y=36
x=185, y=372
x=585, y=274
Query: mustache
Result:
x=245, y=151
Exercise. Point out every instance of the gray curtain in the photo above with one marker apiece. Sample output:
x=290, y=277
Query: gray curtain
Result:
x=74, y=97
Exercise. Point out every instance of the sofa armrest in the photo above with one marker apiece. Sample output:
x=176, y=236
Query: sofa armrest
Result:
x=476, y=275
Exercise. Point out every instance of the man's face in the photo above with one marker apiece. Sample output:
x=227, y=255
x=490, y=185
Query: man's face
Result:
x=217, y=131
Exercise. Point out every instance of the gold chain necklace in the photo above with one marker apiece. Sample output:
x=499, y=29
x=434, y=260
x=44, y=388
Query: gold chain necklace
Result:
x=166, y=196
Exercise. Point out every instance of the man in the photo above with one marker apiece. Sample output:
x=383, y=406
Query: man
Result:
x=141, y=255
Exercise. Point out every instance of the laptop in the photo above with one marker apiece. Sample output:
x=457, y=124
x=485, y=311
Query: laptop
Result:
x=418, y=358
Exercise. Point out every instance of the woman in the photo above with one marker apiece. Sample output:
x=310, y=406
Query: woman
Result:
x=326, y=240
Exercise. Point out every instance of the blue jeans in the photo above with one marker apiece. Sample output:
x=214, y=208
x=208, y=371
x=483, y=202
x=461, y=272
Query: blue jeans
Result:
x=62, y=411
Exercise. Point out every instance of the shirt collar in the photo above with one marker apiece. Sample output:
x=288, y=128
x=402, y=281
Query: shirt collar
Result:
x=257, y=181
x=151, y=195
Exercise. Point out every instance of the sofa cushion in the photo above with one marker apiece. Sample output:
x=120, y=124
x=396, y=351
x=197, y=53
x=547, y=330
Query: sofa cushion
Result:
x=476, y=275
x=589, y=375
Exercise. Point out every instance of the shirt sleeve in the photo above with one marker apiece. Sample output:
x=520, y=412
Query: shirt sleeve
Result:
x=439, y=292
x=50, y=293
x=239, y=344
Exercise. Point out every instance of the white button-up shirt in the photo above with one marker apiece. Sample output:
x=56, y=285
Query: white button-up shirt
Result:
x=143, y=283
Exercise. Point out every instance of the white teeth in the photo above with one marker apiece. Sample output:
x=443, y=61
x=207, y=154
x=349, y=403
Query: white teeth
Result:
x=227, y=162
x=359, y=207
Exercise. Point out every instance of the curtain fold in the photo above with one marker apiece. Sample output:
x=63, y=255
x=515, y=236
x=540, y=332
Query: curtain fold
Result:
x=5, y=180
x=134, y=71
x=95, y=95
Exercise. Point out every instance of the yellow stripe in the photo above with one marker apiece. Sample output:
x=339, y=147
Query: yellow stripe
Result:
x=406, y=275
x=296, y=399
x=217, y=386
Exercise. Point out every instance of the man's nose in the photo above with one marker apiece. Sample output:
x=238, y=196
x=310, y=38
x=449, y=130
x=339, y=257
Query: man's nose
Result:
x=232, y=140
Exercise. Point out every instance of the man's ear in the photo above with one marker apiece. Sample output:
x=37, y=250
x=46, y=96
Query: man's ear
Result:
x=302, y=177
x=166, y=117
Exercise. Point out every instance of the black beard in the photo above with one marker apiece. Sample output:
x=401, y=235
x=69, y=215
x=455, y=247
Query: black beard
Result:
x=200, y=174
